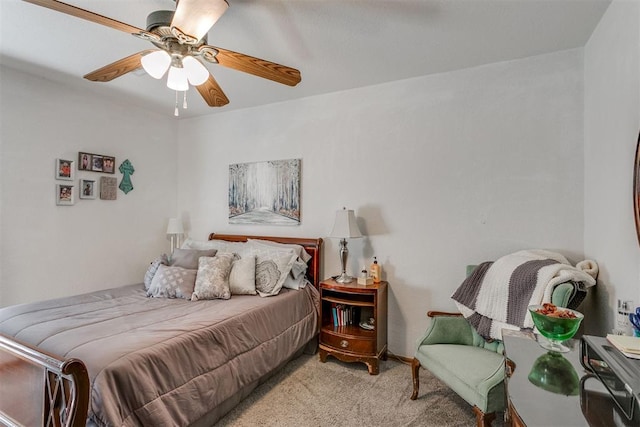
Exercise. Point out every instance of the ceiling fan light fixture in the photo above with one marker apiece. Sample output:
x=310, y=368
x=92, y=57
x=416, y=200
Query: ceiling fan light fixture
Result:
x=197, y=74
x=177, y=79
x=156, y=63
x=194, y=18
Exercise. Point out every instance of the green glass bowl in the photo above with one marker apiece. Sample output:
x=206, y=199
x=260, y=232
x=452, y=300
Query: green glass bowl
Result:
x=553, y=373
x=556, y=328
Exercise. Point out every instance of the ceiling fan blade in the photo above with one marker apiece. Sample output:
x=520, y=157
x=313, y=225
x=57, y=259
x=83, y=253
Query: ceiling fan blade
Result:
x=258, y=67
x=212, y=93
x=85, y=14
x=194, y=18
x=118, y=68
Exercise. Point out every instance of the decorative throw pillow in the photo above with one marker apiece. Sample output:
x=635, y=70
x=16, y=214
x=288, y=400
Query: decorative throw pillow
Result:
x=172, y=282
x=212, y=281
x=295, y=284
x=220, y=245
x=203, y=245
x=272, y=272
x=296, y=278
x=297, y=249
x=242, y=279
x=298, y=269
x=188, y=258
x=153, y=267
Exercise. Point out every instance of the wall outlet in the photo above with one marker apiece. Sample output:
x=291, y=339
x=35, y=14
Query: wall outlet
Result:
x=623, y=325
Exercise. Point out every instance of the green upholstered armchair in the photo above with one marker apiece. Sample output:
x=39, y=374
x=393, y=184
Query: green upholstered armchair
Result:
x=472, y=367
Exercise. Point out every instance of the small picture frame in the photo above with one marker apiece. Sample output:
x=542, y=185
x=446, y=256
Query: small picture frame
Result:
x=87, y=189
x=108, y=188
x=64, y=169
x=97, y=163
x=65, y=194
x=84, y=161
x=108, y=164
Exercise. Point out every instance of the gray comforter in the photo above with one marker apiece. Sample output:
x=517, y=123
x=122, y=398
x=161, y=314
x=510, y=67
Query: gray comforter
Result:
x=166, y=362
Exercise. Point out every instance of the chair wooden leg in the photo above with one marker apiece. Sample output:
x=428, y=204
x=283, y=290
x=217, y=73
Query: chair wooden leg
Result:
x=415, y=375
x=482, y=419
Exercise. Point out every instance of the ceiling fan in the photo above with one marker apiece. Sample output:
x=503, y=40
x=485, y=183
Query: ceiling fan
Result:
x=181, y=41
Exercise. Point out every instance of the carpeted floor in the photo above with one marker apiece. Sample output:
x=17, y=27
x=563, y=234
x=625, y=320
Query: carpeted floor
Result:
x=307, y=392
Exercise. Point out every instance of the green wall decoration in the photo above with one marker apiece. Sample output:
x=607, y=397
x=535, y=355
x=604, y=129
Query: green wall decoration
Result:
x=126, y=168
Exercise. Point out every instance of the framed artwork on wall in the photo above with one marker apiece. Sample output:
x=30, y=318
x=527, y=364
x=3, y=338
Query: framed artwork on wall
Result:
x=87, y=189
x=265, y=192
x=108, y=164
x=96, y=162
x=64, y=169
x=65, y=194
x=84, y=162
x=108, y=188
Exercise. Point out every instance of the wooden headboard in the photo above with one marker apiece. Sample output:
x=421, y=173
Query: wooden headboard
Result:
x=311, y=245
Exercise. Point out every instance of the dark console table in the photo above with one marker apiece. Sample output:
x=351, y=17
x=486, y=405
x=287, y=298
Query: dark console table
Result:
x=543, y=393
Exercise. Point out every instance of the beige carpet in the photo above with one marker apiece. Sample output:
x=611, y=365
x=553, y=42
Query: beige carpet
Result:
x=307, y=392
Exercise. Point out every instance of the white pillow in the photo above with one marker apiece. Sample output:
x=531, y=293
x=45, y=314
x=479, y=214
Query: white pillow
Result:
x=212, y=281
x=298, y=250
x=203, y=245
x=296, y=279
x=242, y=279
x=291, y=283
x=221, y=245
x=271, y=272
x=298, y=269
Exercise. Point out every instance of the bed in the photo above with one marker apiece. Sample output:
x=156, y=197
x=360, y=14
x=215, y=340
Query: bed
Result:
x=118, y=357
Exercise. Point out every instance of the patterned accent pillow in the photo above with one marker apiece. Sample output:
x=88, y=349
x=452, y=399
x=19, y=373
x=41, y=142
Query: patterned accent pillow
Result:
x=172, y=282
x=271, y=273
x=212, y=281
x=188, y=258
x=242, y=279
x=151, y=271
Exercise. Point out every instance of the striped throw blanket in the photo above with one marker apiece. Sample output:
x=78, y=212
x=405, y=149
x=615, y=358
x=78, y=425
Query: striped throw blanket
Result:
x=496, y=295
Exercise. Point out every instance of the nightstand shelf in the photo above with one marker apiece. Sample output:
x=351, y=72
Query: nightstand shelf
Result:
x=353, y=302
x=348, y=341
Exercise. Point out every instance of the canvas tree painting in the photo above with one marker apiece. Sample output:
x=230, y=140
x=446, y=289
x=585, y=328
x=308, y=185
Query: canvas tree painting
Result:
x=265, y=192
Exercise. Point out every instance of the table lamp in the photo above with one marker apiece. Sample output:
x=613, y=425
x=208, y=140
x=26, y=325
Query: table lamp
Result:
x=175, y=230
x=345, y=227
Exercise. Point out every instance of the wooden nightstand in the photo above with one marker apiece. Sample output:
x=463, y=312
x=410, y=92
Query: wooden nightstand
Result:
x=347, y=340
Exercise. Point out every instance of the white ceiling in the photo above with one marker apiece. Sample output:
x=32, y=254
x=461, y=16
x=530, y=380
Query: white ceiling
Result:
x=336, y=44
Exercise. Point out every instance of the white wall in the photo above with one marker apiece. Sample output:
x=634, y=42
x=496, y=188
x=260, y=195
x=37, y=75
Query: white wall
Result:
x=47, y=250
x=442, y=171
x=612, y=121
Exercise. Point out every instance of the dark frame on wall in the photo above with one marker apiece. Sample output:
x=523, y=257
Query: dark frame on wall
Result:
x=636, y=189
x=96, y=162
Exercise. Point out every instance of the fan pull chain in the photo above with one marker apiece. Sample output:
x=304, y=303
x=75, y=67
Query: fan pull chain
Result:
x=176, y=112
x=184, y=102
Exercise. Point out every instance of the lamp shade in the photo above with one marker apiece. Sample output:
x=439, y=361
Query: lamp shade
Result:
x=345, y=225
x=196, y=72
x=177, y=79
x=175, y=226
x=156, y=63
x=194, y=18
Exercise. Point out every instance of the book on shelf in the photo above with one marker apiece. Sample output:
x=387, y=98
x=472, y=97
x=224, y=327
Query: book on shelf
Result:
x=629, y=346
x=342, y=315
